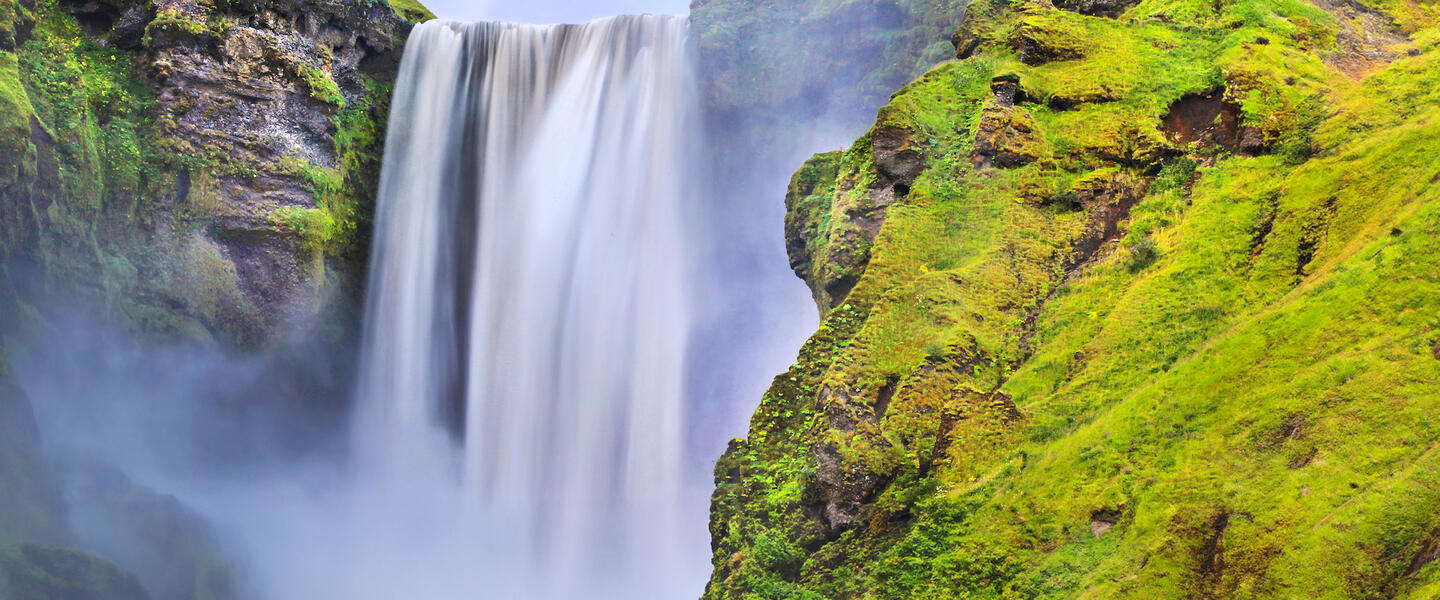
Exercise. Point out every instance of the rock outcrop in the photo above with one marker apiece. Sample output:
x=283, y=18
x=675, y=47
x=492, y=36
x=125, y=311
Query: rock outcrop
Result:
x=829, y=230
x=196, y=169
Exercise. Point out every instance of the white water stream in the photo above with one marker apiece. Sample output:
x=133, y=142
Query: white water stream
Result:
x=527, y=321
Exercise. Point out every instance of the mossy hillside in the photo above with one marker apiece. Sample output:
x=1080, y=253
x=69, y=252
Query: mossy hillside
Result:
x=1228, y=401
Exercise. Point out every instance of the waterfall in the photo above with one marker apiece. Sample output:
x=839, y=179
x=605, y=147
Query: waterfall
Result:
x=527, y=320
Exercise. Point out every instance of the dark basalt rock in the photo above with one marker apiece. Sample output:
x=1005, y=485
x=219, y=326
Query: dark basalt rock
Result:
x=1005, y=137
x=1036, y=47
x=96, y=17
x=1209, y=119
x=896, y=158
x=128, y=32
x=1109, y=201
x=965, y=39
x=847, y=489
x=832, y=268
x=1007, y=90
x=1096, y=8
x=1101, y=521
x=247, y=99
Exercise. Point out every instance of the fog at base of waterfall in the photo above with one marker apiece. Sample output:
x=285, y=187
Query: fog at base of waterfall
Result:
x=162, y=451
x=561, y=332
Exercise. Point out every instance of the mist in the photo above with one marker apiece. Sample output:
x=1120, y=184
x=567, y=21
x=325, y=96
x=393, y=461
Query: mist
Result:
x=189, y=466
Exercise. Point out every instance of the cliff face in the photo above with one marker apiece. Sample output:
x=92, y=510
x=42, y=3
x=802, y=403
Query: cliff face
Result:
x=1131, y=299
x=195, y=169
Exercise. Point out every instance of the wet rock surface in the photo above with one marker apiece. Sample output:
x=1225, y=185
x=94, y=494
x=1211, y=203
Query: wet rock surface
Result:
x=256, y=131
x=259, y=89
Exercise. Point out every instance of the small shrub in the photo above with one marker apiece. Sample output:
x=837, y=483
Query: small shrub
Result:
x=1143, y=254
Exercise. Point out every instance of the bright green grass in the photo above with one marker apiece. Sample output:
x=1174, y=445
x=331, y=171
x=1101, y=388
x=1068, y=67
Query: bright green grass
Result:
x=1259, y=392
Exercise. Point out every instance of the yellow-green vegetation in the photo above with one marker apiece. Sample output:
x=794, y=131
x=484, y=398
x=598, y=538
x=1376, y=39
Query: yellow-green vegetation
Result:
x=412, y=11
x=15, y=113
x=88, y=157
x=110, y=187
x=13, y=15
x=344, y=195
x=1130, y=365
x=321, y=85
x=175, y=22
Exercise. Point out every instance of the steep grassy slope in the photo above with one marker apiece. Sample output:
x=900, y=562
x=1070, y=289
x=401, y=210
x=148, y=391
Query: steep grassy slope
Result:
x=1136, y=303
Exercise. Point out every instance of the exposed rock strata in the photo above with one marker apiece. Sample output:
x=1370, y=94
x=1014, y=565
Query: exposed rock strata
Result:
x=237, y=143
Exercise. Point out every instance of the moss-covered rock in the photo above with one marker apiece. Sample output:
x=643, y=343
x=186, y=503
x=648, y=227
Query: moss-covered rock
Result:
x=1127, y=360
x=153, y=157
x=45, y=573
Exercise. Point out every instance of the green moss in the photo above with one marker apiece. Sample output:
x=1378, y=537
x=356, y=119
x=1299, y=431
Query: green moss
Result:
x=314, y=225
x=321, y=85
x=1227, y=397
x=94, y=114
x=173, y=21
x=807, y=218
x=341, y=197
x=15, y=115
x=411, y=10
